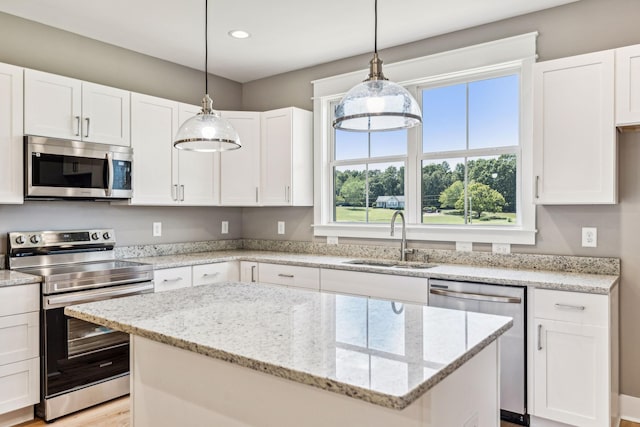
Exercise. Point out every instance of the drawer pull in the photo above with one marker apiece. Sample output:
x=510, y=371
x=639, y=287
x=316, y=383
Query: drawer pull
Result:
x=177, y=279
x=539, y=337
x=570, y=307
x=290, y=276
x=211, y=274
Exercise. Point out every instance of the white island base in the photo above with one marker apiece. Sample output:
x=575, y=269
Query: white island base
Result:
x=175, y=387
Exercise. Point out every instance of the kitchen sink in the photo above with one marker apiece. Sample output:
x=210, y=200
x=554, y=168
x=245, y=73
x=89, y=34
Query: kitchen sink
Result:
x=394, y=264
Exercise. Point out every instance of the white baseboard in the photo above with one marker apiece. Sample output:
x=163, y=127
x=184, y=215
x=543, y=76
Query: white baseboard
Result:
x=630, y=408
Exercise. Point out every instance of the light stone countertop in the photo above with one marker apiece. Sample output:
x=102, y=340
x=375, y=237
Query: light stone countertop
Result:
x=574, y=282
x=14, y=278
x=324, y=340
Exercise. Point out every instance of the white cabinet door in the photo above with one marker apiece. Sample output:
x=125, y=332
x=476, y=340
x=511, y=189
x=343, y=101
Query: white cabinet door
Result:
x=19, y=384
x=240, y=169
x=105, y=114
x=172, y=278
x=276, y=157
x=248, y=271
x=52, y=105
x=628, y=85
x=289, y=275
x=571, y=373
x=154, y=122
x=19, y=337
x=198, y=173
x=11, y=132
x=574, y=132
x=208, y=274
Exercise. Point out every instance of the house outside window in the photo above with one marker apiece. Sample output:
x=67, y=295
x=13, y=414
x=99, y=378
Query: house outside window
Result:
x=465, y=175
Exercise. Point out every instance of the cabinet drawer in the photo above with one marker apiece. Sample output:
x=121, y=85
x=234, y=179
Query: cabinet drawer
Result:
x=19, y=384
x=18, y=337
x=172, y=278
x=572, y=307
x=19, y=299
x=213, y=273
x=385, y=286
x=289, y=275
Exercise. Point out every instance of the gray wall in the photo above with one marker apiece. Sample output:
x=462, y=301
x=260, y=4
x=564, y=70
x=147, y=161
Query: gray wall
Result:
x=33, y=45
x=585, y=26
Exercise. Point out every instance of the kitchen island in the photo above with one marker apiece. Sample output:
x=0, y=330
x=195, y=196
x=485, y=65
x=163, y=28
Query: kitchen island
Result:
x=238, y=354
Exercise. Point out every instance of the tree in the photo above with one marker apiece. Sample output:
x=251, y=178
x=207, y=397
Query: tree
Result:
x=482, y=199
x=450, y=196
x=498, y=173
x=353, y=191
x=436, y=177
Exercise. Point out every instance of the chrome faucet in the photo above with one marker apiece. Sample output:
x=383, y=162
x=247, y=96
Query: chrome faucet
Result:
x=403, y=243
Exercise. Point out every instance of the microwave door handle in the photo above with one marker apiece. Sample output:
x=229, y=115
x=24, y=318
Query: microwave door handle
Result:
x=109, y=188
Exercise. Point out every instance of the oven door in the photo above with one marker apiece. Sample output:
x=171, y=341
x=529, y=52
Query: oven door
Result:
x=73, y=169
x=79, y=353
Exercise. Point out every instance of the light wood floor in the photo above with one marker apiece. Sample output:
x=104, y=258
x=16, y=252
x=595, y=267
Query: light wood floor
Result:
x=116, y=414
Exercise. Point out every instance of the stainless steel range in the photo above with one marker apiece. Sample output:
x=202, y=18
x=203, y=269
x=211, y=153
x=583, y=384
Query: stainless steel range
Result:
x=83, y=364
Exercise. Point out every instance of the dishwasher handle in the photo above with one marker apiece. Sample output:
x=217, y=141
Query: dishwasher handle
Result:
x=476, y=297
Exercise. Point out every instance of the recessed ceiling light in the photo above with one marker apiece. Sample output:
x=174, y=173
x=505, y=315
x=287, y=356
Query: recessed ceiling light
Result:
x=239, y=34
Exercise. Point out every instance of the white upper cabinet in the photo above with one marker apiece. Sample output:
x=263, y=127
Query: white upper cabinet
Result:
x=62, y=107
x=11, y=125
x=628, y=86
x=240, y=169
x=574, y=132
x=154, y=122
x=287, y=157
x=197, y=175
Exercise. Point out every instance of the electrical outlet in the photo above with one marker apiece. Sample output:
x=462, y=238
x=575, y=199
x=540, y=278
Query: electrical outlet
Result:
x=501, y=248
x=280, y=227
x=224, y=228
x=157, y=229
x=332, y=240
x=464, y=246
x=589, y=237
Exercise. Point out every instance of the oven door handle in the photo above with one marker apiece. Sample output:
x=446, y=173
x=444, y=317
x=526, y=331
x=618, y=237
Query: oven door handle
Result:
x=95, y=295
x=476, y=297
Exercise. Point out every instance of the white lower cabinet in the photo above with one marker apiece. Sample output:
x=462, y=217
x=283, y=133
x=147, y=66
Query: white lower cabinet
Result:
x=19, y=352
x=575, y=357
x=248, y=271
x=386, y=286
x=289, y=275
x=172, y=278
x=208, y=274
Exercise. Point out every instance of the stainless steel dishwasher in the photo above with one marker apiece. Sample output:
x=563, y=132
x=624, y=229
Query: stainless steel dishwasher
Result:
x=505, y=301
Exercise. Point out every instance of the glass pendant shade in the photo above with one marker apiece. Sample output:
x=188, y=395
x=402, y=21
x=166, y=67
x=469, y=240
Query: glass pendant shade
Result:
x=377, y=105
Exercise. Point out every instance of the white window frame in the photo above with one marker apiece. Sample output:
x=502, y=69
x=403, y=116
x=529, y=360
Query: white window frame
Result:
x=513, y=53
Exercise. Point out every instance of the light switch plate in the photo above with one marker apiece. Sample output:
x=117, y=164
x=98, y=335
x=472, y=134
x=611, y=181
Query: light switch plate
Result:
x=501, y=248
x=224, y=228
x=280, y=227
x=464, y=246
x=157, y=229
x=332, y=240
x=589, y=237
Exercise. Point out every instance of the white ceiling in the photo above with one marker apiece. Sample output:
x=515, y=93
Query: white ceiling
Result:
x=286, y=34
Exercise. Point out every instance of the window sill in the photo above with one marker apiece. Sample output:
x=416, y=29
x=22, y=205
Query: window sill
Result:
x=480, y=234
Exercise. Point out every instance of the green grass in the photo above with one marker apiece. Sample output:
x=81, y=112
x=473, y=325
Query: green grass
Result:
x=358, y=214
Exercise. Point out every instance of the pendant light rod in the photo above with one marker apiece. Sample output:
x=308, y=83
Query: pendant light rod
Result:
x=375, y=27
x=206, y=46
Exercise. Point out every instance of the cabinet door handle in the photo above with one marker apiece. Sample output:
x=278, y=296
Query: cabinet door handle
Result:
x=290, y=276
x=77, y=125
x=174, y=192
x=539, y=337
x=175, y=279
x=570, y=307
x=182, y=193
x=537, y=186
x=288, y=194
x=211, y=274
x=86, y=135
x=253, y=270
x=256, y=194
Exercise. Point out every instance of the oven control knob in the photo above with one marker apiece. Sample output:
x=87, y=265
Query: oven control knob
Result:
x=95, y=236
x=35, y=239
x=20, y=240
x=106, y=235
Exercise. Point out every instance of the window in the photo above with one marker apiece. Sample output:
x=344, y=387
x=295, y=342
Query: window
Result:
x=465, y=175
x=470, y=149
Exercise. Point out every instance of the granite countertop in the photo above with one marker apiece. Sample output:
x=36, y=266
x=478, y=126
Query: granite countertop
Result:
x=574, y=282
x=383, y=353
x=14, y=278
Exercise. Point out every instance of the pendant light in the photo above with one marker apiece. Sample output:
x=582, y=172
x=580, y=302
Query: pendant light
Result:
x=377, y=104
x=208, y=130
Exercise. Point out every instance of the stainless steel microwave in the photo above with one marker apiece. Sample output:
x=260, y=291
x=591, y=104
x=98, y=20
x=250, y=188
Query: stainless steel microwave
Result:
x=65, y=169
